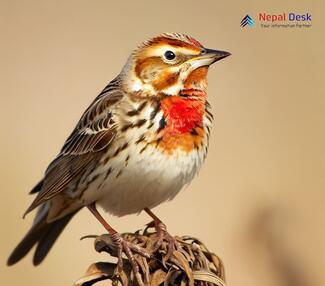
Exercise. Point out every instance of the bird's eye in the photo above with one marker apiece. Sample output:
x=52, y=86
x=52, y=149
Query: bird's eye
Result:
x=169, y=55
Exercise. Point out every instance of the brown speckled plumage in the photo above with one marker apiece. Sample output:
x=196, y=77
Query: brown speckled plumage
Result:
x=150, y=124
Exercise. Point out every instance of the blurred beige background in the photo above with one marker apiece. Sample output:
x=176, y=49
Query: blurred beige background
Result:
x=259, y=199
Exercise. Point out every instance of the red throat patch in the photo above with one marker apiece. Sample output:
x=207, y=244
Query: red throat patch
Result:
x=184, y=123
x=182, y=114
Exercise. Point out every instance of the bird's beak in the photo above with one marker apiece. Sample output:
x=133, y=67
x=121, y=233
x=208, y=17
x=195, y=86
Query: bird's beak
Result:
x=208, y=57
x=215, y=55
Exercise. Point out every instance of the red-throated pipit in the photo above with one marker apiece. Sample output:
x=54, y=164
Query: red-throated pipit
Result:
x=141, y=140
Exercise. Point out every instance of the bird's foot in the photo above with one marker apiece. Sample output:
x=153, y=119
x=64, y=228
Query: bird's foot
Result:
x=163, y=234
x=129, y=248
x=115, y=244
x=121, y=245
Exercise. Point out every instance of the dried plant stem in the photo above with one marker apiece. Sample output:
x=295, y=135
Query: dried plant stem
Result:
x=191, y=264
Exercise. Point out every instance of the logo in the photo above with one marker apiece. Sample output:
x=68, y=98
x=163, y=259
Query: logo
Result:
x=285, y=20
x=247, y=20
x=278, y=20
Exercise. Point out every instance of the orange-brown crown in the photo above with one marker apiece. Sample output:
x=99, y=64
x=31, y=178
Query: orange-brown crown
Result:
x=173, y=39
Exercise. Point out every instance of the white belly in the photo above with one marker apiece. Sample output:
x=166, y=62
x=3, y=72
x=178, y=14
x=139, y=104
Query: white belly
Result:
x=145, y=181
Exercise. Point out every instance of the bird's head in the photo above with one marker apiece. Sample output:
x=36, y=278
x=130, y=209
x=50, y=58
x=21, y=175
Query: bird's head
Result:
x=168, y=64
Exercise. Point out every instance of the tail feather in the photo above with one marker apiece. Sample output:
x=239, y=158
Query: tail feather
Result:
x=44, y=235
x=48, y=239
x=30, y=239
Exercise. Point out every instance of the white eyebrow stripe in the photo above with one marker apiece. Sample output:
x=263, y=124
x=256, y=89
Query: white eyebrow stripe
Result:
x=159, y=51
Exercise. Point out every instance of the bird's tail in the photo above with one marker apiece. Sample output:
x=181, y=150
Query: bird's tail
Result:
x=43, y=234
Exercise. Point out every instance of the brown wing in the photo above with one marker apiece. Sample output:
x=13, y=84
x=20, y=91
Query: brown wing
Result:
x=93, y=133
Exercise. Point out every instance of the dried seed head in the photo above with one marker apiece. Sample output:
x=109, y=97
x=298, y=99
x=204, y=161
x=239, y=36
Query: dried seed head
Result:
x=192, y=264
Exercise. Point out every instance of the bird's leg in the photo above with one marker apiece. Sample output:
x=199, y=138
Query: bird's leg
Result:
x=163, y=234
x=121, y=243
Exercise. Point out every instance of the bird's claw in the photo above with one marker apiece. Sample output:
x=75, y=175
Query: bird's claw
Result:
x=123, y=245
x=162, y=235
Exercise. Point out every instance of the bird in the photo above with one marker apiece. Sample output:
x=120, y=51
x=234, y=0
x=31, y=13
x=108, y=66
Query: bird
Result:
x=141, y=140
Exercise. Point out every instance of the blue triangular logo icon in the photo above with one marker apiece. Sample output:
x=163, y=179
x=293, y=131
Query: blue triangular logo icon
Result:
x=247, y=20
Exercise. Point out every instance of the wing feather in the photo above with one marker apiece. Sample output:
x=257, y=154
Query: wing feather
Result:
x=94, y=132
